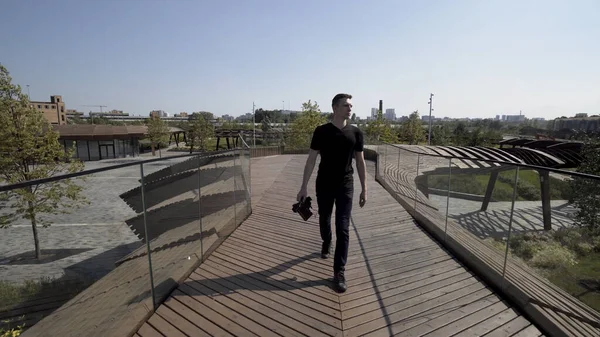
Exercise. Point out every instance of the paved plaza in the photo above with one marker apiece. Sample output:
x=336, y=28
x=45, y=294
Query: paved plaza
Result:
x=494, y=222
x=92, y=237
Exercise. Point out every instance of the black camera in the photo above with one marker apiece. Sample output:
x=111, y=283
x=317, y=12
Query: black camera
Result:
x=303, y=208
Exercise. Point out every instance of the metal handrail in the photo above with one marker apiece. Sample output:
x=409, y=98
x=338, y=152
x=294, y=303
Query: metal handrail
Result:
x=534, y=167
x=28, y=183
x=243, y=141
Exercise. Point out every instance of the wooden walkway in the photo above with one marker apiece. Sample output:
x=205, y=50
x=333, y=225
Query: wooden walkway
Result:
x=553, y=307
x=267, y=278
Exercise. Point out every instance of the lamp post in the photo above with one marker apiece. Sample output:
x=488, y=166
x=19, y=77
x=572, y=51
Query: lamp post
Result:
x=430, y=110
x=253, y=126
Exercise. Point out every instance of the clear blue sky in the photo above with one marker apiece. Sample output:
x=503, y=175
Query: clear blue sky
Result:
x=479, y=57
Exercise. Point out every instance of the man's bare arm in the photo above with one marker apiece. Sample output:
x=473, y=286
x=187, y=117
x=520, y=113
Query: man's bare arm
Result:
x=362, y=169
x=309, y=167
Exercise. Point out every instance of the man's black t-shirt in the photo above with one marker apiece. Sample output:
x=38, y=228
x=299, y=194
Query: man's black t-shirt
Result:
x=336, y=147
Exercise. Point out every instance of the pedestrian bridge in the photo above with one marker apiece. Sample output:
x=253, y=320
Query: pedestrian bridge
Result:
x=268, y=279
x=251, y=267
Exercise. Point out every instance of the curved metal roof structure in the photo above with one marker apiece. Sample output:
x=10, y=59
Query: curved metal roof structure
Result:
x=545, y=153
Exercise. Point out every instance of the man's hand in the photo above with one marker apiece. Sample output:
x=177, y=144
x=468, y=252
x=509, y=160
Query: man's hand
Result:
x=302, y=194
x=363, y=198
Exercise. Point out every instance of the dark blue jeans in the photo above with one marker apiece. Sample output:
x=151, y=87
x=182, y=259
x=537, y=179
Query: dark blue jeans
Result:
x=341, y=195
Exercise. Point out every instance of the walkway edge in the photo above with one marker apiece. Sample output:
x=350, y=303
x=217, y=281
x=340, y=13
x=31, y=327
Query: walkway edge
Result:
x=512, y=292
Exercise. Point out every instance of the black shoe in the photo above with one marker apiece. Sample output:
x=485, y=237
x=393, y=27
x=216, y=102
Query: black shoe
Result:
x=325, y=250
x=339, y=282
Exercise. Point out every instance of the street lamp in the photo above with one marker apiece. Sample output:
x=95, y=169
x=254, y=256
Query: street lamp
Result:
x=430, y=110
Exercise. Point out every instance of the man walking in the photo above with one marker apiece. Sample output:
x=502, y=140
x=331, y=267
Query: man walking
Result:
x=337, y=143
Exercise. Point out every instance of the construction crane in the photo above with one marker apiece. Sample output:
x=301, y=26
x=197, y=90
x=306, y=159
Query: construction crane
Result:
x=91, y=115
x=100, y=106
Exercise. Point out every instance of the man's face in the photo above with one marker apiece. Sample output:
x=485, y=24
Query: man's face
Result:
x=343, y=108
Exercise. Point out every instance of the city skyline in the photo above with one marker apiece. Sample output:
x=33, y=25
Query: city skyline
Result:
x=386, y=111
x=480, y=59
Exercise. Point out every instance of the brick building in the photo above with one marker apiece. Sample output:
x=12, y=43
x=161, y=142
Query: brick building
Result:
x=54, y=111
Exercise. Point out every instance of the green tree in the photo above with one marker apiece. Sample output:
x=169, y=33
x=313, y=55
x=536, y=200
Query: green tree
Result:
x=586, y=199
x=158, y=132
x=266, y=124
x=29, y=150
x=209, y=116
x=460, y=134
x=381, y=130
x=200, y=131
x=441, y=135
x=304, y=125
x=411, y=129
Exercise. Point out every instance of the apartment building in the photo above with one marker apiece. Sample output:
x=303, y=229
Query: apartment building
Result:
x=54, y=111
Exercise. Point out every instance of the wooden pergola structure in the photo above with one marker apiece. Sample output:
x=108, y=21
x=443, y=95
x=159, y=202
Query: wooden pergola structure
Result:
x=539, y=153
x=175, y=133
x=233, y=135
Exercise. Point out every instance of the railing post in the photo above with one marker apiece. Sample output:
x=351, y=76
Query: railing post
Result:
x=510, y=219
x=200, y=211
x=448, y=198
x=234, y=191
x=397, y=173
x=384, y=159
x=416, y=183
x=147, y=236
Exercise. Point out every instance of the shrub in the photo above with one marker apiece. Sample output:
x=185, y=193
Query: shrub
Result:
x=560, y=189
x=14, y=332
x=543, y=249
x=526, y=245
x=528, y=191
x=583, y=248
x=553, y=256
x=496, y=244
x=596, y=243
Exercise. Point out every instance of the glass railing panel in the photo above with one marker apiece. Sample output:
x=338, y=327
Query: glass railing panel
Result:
x=560, y=245
x=431, y=195
x=171, y=193
x=70, y=243
x=479, y=207
x=247, y=180
x=404, y=174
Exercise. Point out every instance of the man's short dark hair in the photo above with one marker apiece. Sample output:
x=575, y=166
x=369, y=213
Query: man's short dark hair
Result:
x=337, y=98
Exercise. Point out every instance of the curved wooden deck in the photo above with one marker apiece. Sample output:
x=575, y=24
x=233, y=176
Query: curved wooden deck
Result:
x=557, y=311
x=267, y=278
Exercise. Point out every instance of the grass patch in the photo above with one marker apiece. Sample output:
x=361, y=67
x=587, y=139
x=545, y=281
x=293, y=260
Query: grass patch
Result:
x=58, y=291
x=581, y=280
x=528, y=186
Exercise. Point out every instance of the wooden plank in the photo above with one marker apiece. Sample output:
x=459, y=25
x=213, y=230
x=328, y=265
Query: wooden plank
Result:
x=458, y=324
x=270, y=304
x=164, y=327
x=247, y=315
x=179, y=321
x=212, y=313
x=530, y=331
x=147, y=330
x=487, y=325
x=508, y=329
x=211, y=328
